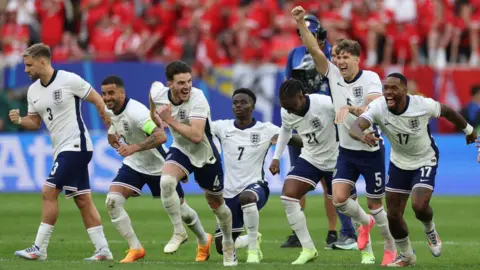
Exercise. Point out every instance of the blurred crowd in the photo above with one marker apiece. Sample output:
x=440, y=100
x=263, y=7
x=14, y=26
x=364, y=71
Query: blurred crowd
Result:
x=217, y=32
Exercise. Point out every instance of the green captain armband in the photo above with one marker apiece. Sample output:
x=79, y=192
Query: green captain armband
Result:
x=149, y=126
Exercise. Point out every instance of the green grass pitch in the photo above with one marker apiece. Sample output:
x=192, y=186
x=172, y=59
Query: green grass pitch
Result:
x=456, y=218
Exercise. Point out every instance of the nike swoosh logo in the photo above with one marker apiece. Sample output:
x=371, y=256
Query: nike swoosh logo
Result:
x=386, y=124
x=377, y=190
x=424, y=180
x=340, y=84
x=36, y=101
x=228, y=136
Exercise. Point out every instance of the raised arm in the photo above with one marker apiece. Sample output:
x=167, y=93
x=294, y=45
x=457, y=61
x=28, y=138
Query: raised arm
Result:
x=309, y=40
x=357, y=132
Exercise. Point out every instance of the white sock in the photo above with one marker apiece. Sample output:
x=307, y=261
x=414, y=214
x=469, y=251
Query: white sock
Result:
x=381, y=220
x=429, y=226
x=224, y=221
x=352, y=209
x=368, y=248
x=251, y=217
x=97, y=237
x=404, y=246
x=171, y=202
x=120, y=219
x=297, y=221
x=241, y=241
x=191, y=219
x=43, y=236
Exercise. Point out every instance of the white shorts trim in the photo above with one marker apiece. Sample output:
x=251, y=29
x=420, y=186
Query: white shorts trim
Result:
x=48, y=184
x=256, y=195
x=187, y=173
x=302, y=179
x=76, y=193
x=69, y=188
x=395, y=190
x=121, y=184
x=419, y=185
x=374, y=196
x=343, y=180
x=213, y=192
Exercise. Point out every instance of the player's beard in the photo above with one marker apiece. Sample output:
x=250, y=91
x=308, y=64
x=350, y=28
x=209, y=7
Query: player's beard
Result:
x=34, y=77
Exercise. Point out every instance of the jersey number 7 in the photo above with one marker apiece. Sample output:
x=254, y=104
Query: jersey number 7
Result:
x=240, y=148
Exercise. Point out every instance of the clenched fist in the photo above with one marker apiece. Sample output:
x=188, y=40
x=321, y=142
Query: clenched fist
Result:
x=298, y=13
x=14, y=116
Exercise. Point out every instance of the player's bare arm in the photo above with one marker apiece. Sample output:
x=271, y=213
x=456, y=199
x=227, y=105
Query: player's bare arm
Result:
x=357, y=111
x=156, y=138
x=29, y=122
x=357, y=132
x=460, y=123
x=309, y=40
x=94, y=98
x=193, y=132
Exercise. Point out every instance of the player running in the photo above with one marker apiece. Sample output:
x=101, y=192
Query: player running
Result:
x=55, y=98
x=186, y=112
x=413, y=160
x=245, y=143
x=352, y=89
x=142, y=165
x=312, y=117
x=300, y=66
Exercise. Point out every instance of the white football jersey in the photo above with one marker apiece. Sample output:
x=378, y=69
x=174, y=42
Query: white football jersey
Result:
x=317, y=130
x=129, y=125
x=195, y=108
x=244, y=152
x=409, y=134
x=352, y=93
x=59, y=105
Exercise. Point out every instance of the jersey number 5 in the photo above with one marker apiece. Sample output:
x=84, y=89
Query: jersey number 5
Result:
x=50, y=115
x=312, y=139
x=240, y=148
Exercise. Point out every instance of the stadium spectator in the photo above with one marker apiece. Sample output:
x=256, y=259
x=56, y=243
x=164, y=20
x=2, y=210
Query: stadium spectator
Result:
x=471, y=112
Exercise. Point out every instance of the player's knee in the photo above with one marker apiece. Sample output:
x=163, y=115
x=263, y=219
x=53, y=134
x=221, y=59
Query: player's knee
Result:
x=83, y=201
x=114, y=201
x=339, y=199
x=168, y=184
x=218, y=244
x=394, y=216
x=247, y=197
x=48, y=194
x=214, y=201
x=373, y=204
x=419, y=207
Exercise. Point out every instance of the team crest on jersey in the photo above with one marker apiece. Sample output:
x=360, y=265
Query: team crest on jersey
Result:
x=316, y=123
x=358, y=92
x=414, y=123
x=255, y=137
x=183, y=115
x=57, y=96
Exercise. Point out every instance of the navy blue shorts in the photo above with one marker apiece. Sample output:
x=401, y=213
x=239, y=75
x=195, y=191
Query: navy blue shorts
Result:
x=209, y=177
x=404, y=181
x=70, y=172
x=294, y=153
x=260, y=190
x=304, y=171
x=131, y=179
x=351, y=164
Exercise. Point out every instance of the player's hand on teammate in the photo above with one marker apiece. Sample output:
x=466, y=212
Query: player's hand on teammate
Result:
x=114, y=140
x=165, y=113
x=275, y=166
x=126, y=150
x=14, y=116
x=370, y=139
x=298, y=13
x=274, y=139
x=344, y=111
x=472, y=137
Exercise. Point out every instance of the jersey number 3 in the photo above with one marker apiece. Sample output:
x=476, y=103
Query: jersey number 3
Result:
x=50, y=115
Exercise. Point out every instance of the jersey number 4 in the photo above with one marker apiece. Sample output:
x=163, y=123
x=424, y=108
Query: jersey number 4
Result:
x=403, y=138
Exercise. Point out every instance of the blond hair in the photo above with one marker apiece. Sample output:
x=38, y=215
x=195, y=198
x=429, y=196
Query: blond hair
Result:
x=38, y=50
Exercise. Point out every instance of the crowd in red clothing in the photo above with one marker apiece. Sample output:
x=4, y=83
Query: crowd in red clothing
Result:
x=206, y=33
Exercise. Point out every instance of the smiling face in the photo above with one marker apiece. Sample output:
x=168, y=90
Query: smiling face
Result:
x=113, y=96
x=181, y=86
x=395, y=93
x=242, y=106
x=348, y=64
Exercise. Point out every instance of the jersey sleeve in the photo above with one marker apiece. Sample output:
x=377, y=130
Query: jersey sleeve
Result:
x=31, y=109
x=375, y=86
x=333, y=73
x=140, y=117
x=218, y=127
x=200, y=108
x=373, y=112
x=156, y=92
x=432, y=107
x=271, y=129
x=285, y=121
x=80, y=87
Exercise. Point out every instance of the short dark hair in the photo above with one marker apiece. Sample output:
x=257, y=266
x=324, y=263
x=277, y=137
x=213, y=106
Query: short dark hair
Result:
x=113, y=79
x=38, y=50
x=338, y=40
x=247, y=92
x=176, y=67
x=348, y=46
x=475, y=89
x=290, y=88
x=399, y=76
